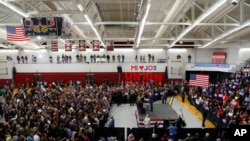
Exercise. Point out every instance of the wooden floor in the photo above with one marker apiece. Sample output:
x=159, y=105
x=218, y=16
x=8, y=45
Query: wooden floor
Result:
x=191, y=109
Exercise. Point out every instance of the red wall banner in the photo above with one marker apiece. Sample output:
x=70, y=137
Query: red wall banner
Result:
x=54, y=46
x=110, y=45
x=68, y=45
x=82, y=46
x=96, y=45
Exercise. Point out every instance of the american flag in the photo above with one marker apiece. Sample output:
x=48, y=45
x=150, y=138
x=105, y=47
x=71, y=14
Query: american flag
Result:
x=15, y=33
x=199, y=80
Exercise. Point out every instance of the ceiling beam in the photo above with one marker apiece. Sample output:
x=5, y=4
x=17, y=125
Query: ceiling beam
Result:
x=136, y=23
x=132, y=39
x=177, y=6
x=198, y=20
x=227, y=33
x=33, y=0
x=116, y=1
x=55, y=12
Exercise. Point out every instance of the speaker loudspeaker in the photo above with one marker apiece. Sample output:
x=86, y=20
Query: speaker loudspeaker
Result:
x=14, y=70
x=119, y=69
x=90, y=77
x=166, y=72
x=37, y=77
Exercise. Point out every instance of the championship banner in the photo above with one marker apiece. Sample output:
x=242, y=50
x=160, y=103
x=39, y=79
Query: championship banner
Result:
x=110, y=45
x=82, y=46
x=96, y=45
x=175, y=69
x=68, y=45
x=54, y=45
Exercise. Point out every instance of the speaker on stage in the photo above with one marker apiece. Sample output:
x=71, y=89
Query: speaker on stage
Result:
x=119, y=69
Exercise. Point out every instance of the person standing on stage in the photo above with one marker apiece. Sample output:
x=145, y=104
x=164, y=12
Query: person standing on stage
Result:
x=151, y=101
x=205, y=110
x=111, y=122
x=164, y=96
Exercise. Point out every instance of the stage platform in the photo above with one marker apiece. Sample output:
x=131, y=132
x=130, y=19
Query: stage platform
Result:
x=162, y=113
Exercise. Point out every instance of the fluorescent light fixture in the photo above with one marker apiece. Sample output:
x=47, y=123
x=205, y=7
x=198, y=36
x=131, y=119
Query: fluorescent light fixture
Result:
x=39, y=37
x=244, y=49
x=9, y=51
x=199, y=19
x=14, y=8
x=80, y=7
x=177, y=50
x=141, y=28
x=227, y=33
x=94, y=29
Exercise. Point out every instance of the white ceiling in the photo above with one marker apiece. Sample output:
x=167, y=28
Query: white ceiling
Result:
x=169, y=23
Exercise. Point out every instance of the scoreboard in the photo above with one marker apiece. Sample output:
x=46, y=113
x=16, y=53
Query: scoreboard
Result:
x=39, y=26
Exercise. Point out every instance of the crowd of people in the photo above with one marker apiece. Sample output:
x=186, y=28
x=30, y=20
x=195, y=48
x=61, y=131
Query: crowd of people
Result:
x=63, y=110
x=23, y=59
x=82, y=58
x=73, y=111
x=225, y=103
x=66, y=109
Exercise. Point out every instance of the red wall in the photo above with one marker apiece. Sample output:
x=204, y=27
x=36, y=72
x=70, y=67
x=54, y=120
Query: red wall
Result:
x=3, y=82
x=98, y=77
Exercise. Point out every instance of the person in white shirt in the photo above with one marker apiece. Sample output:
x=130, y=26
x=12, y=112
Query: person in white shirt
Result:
x=147, y=121
x=36, y=136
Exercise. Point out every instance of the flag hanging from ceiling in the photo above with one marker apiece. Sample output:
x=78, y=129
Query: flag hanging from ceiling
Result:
x=54, y=45
x=110, y=45
x=15, y=33
x=96, y=45
x=82, y=46
x=68, y=45
x=199, y=80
